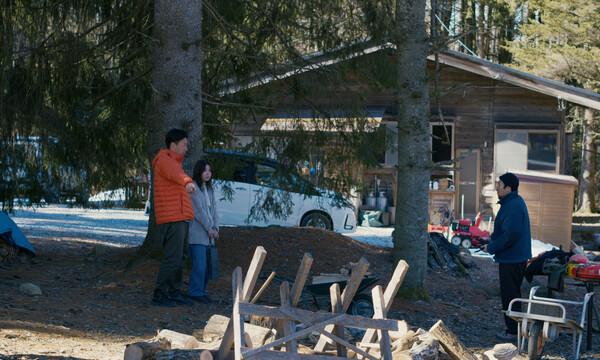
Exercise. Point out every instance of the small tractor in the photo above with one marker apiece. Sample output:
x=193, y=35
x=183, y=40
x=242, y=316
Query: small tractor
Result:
x=467, y=233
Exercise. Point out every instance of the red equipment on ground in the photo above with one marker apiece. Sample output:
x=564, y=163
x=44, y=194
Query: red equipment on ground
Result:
x=467, y=233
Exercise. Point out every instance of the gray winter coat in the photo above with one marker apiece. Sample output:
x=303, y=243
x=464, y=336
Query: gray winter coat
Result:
x=204, y=218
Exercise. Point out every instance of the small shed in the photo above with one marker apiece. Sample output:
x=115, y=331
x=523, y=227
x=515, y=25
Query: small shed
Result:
x=549, y=199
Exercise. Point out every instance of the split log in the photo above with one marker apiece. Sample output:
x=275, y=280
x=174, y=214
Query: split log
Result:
x=405, y=342
x=217, y=324
x=146, y=349
x=425, y=348
x=451, y=344
x=179, y=340
x=439, y=258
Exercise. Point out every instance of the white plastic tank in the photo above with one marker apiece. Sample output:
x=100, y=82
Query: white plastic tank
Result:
x=382, y=200
x=371, y=200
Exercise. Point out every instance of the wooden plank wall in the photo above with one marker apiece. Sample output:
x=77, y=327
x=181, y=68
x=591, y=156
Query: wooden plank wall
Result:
x=475, y=105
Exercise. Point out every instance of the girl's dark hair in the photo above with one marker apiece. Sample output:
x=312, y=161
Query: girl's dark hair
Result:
x=198, y=170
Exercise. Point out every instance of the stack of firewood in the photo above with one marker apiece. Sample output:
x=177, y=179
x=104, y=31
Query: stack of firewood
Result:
x=442, y=254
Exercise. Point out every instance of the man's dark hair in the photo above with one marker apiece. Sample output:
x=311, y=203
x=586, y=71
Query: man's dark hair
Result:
x=198, y=170
x=510, y=179
x=175, y=136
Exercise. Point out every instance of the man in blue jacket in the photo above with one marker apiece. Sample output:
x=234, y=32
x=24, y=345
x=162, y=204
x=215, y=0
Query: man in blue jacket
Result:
x=510, y=243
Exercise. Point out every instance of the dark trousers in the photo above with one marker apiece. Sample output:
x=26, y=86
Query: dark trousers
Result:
x=175, y=246
x=511, y=278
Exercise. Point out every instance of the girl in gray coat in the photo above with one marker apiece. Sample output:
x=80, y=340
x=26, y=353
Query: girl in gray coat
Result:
x=204, y=230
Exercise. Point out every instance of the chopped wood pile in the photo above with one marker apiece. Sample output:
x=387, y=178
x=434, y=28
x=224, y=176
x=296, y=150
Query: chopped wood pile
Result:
x=296, y=333
x=442, y=254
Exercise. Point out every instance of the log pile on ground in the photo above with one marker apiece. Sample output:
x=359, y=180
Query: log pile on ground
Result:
x=297, y=333
x=442, y=254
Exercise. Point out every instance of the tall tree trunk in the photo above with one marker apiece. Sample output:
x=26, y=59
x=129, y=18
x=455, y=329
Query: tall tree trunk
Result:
x=177, y=84
x=587, y=182
x=414, y=155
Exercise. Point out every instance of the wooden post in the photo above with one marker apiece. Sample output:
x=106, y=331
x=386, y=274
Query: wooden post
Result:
x=349, y=291
x=288, y=326
x=238, y=321
x=453, y=346
x=388, y=296
x=380, y=313
x=257, y=261
x=297, y=287
x=263, y=287
x=336, y=308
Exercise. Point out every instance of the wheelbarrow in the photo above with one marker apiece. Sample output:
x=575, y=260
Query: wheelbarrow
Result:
x=362, y=302
x=544, y=318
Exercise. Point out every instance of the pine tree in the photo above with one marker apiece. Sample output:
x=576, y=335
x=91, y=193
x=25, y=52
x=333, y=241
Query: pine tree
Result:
x=561, y=41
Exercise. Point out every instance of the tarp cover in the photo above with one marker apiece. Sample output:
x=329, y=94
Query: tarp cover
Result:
x=11, y=232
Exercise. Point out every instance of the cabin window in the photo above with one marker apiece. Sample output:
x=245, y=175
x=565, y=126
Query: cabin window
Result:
x=526, y=150
x=442, y=143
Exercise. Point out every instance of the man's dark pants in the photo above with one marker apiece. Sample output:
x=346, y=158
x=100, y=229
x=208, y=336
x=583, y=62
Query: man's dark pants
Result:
x=175, y=246
x=511, y=278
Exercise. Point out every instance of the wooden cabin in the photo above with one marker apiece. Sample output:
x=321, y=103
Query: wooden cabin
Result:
x=504, y=117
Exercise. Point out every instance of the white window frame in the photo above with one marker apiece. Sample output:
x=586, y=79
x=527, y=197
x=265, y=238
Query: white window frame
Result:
x=527, y=132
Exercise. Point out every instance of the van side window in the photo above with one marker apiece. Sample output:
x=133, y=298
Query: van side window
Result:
x=240, y=173
x=265, y=175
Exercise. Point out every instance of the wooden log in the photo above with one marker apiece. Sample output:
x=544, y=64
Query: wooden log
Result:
x=427, y=347
x=180, y=354
x=405, y=342
x=217, y=324
x=148, y=348
x=439, y=258
x=451, y=344
x=179, y=340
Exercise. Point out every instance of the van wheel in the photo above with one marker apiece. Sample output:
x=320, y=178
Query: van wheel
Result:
x=317, y=220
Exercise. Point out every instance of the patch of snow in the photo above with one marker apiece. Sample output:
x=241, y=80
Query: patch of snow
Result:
x=116, y=227
x=117, y=195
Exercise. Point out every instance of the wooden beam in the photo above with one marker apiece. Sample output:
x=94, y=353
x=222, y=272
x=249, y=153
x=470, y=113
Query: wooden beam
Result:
x=390, y=293
x=333, y=337
x=380, y=313
x=308, y=330
x=336, y=308
x=252, y=274
x=349, y=291
x=349, y=320
x=238, y=321
x=288, y=326
x=281, y=355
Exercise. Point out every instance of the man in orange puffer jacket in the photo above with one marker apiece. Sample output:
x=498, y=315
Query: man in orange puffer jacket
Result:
x=174, y=212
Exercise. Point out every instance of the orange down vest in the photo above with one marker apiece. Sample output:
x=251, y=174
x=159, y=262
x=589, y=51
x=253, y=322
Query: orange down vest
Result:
x=171, y=201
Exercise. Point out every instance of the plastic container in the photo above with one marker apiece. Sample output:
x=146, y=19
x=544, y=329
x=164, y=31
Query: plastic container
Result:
x=371, y=200
x=381, y=200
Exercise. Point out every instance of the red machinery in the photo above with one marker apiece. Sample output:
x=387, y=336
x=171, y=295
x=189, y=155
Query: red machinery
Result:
x=467, y=233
